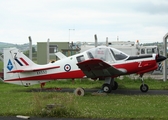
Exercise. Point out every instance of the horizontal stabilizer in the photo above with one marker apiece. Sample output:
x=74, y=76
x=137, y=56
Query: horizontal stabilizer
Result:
x=60, y=55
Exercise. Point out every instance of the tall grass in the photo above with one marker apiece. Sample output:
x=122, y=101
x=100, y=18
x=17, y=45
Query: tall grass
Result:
x=63, y=105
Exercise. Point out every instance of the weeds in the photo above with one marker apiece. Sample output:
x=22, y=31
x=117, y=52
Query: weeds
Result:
x=63, y=105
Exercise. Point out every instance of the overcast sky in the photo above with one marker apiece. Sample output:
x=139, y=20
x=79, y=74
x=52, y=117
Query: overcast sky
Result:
x=80, y=20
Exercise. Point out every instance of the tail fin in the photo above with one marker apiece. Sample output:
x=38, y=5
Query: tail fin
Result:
x=14, y=60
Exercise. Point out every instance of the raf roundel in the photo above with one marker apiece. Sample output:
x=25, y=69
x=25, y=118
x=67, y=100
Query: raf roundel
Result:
x=67, y=67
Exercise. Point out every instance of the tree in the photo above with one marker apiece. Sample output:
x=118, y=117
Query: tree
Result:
x=33, y=50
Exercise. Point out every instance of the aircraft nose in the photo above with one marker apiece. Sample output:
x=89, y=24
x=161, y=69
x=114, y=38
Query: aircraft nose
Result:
x=160, y=58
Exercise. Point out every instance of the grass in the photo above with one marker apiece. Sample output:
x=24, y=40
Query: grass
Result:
x=128, y=83
x=15, y=100
x=124, y=106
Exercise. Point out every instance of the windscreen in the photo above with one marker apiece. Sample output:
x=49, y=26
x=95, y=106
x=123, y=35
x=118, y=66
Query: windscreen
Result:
x=118, y=55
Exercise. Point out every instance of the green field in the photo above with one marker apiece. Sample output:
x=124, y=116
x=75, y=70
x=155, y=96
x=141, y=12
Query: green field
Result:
x=16, y=100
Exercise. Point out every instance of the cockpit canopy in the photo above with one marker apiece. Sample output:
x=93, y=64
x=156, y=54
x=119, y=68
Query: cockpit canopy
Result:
x=108, y=54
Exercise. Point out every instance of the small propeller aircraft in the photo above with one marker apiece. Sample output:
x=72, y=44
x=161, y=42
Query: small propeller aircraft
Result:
x=105, y=63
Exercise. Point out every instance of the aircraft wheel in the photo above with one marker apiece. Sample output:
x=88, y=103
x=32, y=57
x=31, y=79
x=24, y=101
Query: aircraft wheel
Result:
x=107, y=88
x=115, y=86
x=144, y=88
x=79, y=92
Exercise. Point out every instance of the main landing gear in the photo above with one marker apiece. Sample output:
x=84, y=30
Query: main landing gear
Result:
x=109, y=85
x=143, y=87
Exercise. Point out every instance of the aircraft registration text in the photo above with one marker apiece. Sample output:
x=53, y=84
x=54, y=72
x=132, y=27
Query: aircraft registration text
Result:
x=41, y=72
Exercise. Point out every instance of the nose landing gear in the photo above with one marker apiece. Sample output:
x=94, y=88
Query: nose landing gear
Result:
x=143, y=87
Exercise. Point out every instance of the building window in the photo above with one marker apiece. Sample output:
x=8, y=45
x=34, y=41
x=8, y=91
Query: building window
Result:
x=53, y=48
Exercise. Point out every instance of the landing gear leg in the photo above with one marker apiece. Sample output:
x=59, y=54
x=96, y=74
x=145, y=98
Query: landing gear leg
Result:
x=143, y=87
x=114, y=85
x=42, y=85
x=109, y=85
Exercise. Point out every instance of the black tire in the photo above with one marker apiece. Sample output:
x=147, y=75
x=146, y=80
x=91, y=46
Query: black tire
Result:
x=115, y=86
x=144, y=88
x=106, y=88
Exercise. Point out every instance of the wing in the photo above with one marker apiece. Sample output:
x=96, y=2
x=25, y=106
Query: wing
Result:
x=33, y=69
x=94, y=68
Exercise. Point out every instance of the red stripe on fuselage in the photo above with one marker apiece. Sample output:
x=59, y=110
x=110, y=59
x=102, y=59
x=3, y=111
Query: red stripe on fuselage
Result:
x=63, y=75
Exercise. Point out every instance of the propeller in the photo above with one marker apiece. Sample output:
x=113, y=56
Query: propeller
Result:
x=160, y=58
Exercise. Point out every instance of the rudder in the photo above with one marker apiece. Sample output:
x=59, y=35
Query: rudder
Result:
x=14, y=59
